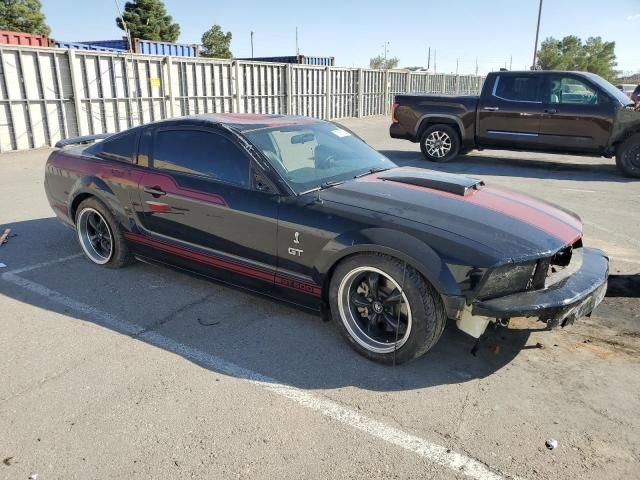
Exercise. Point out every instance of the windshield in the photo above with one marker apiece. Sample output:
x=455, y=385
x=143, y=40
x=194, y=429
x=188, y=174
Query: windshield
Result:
x=316, y=154
x=609, y=88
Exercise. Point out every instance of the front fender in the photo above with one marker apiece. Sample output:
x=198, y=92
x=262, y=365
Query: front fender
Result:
x=397, y=244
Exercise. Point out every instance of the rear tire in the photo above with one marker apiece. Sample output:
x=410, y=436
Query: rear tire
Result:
x=100, y=235
x=628, y=156
x=368, y=297
x=440, y=143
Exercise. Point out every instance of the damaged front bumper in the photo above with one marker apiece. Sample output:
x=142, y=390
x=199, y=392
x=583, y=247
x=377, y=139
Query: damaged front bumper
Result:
x=559, y=304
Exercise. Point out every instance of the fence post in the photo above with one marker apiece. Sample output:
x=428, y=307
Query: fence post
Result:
x=236, y=103
x=387, y=99
x=360, y=92
x=327, y=91
x=74, y=91
x=289, y=93
x=168, y=63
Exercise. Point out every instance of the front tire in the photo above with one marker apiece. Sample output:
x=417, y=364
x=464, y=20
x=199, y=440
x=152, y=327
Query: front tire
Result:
x=628, y=156
x=100, y=235
x=440, y=143
x=385, y=309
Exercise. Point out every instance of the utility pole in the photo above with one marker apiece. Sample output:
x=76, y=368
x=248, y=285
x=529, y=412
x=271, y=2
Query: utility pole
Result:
x=435, y=58
x=385, y=45
x=297, y=49
x=476, y=66
x=535, y=48
x=252, y=44
x=456, y=66
x=429, y=59
x=510, y=62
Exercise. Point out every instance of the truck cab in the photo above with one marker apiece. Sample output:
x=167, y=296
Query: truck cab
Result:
x=552, y=111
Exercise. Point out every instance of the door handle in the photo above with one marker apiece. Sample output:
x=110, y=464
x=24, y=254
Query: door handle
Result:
x=550, y=111
x=156, y=191
x=491, y=109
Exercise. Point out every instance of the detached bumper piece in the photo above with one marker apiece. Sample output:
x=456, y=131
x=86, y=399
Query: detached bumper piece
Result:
x=559, y=304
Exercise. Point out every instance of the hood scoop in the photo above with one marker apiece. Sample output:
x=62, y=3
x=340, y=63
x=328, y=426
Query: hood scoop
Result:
x=445, y=182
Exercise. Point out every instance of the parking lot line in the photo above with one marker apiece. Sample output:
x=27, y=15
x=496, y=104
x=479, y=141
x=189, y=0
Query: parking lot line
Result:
x=432, y=452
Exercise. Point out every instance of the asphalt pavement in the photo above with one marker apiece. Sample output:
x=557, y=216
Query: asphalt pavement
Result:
x=145, y=372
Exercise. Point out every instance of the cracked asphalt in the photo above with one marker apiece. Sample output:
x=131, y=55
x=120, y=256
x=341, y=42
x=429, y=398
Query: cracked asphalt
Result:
x=147, y=372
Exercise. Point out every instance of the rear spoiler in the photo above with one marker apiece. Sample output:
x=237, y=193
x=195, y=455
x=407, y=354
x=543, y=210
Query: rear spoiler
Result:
x=82, y=140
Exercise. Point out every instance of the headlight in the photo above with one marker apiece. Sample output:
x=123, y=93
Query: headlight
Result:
x=506, y=279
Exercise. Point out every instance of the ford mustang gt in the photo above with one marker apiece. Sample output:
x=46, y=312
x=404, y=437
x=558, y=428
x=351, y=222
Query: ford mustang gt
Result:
x=304, y=211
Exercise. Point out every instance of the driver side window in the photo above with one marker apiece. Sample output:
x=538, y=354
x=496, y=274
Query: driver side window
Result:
x=570, y=90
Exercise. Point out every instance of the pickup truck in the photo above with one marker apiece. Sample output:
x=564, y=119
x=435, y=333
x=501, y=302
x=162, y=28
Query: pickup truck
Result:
x=558, y=112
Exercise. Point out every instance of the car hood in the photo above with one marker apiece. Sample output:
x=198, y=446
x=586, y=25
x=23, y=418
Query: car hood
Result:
x=513, y=224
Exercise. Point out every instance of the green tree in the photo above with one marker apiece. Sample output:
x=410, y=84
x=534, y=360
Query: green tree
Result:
x=148, y=20
x=23, y=16
x=216, y=43
x=380, y=63
x=571, y=53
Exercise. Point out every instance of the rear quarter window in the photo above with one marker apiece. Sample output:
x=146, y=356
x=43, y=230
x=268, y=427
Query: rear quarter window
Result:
x=121, y=148
x=517, y=88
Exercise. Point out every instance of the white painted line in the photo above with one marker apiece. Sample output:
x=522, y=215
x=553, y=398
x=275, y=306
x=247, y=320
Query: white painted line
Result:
x=44, y=264
x=102, y=317
x=581, y=190
x=434, y=453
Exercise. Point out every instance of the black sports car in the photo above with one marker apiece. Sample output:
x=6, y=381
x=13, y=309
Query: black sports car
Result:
x=305, y=211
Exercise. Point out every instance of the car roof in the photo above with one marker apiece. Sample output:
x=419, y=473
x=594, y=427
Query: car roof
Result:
x=242, y=121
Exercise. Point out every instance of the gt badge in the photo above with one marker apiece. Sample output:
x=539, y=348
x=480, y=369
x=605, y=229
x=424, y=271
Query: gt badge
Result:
x=296, y=252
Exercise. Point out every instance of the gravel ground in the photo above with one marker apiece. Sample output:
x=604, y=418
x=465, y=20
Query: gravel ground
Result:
x=112, y=374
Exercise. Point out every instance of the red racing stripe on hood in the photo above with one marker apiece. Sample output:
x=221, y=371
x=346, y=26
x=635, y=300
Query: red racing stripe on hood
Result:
x=534, y=212
x=524, y=208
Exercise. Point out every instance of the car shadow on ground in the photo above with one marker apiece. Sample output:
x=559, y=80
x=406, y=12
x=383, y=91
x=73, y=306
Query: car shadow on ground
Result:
x=279, y=342
x=515, y=167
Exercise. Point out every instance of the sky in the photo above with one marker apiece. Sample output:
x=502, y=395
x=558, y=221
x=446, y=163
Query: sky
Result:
x=498, y=33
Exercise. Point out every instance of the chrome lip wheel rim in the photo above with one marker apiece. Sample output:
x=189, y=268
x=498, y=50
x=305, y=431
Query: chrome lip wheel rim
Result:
x=438, y=144
x=95, y=236
x=374, y=310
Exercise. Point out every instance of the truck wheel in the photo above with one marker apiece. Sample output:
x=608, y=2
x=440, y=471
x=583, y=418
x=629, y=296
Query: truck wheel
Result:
x=628, y=156
x=100, y=235
x=440, y=143
x=385, y=309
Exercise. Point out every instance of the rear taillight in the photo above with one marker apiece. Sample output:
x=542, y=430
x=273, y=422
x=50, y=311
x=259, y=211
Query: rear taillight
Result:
x=394, y=107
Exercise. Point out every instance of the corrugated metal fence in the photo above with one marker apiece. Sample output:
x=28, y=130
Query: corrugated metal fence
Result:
x=48, y=94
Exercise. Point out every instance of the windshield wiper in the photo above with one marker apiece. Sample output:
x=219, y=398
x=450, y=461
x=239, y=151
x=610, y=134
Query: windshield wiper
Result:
x=323, y=186
x=370, y=171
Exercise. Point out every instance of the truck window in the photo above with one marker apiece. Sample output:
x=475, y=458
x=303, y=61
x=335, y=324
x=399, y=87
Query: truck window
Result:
x=517, y=88
x=570, y=90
